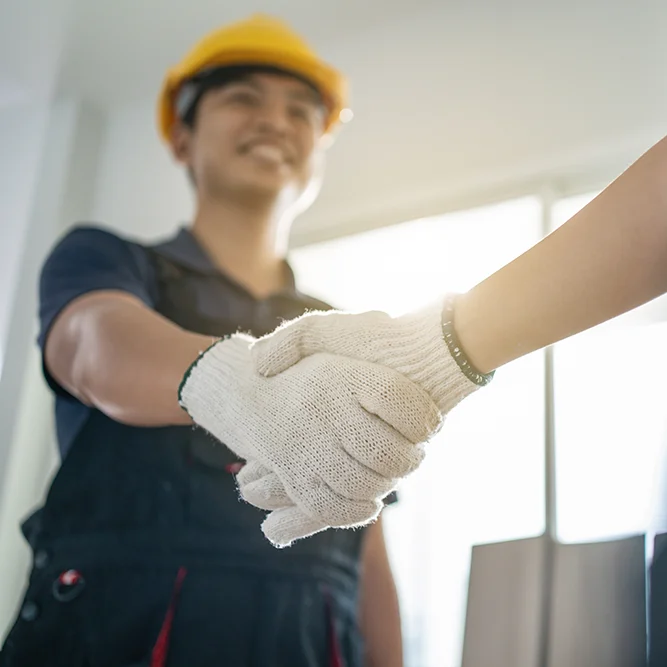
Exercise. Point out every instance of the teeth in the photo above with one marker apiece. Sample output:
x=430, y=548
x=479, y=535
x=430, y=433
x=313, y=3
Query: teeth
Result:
x=266, y=152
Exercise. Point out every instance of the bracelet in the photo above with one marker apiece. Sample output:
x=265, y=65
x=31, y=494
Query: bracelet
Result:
x=455, y=349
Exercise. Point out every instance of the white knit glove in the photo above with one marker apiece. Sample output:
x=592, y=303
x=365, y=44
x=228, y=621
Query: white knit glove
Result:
x=413, y=344
x=328, y=438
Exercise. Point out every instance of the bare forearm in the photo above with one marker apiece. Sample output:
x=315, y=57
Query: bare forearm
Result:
x=608, y=259
x=379, y=607
x=125, y=360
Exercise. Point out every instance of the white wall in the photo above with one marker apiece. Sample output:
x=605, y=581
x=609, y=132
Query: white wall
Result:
x=449, y=104
x=22, y=132
x=139, y=191
x=32, y=36
x=34, y=139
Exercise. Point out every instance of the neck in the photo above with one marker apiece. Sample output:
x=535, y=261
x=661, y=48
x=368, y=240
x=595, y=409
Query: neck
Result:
x=249, y=245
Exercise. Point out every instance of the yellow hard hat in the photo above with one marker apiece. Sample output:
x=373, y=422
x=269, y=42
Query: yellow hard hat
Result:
x=259, y=40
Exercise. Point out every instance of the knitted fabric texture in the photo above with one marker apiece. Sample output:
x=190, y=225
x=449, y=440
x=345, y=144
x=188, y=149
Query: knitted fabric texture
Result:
x=412, y=344
x=338, y=433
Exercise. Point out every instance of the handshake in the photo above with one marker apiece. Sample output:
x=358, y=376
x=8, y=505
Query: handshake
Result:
x=330, y=411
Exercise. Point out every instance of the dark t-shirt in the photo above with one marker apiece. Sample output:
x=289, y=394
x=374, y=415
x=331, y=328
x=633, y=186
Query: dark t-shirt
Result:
x=89, y=259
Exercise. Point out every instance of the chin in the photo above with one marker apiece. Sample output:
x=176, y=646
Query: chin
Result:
x=266, y=183
x=263, y=188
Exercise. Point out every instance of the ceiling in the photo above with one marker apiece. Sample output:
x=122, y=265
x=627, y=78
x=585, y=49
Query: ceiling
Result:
x=455, y=92
x=118, y=50
x=113, y=52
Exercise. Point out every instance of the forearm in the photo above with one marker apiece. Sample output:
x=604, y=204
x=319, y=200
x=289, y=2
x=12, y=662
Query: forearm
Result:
x=125, y=360
x=379, y=607
x=608, y=259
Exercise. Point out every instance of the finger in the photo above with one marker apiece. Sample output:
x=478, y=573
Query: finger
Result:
x=399, y=402
x=380, y=447
x=347, y=478
x=251, y=472
x=320, y=501
x=284, y=526
x=267, y=493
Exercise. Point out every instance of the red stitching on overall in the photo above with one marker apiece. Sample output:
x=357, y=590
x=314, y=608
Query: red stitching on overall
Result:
x=161, y=648
x=335, y=654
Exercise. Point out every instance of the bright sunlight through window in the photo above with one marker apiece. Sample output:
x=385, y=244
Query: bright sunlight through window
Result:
x=611, y=422
x=483, y=480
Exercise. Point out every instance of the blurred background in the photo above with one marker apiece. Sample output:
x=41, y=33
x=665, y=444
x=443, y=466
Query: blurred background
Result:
x=478, y=127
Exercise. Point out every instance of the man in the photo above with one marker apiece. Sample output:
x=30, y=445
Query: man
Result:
x=143, y=553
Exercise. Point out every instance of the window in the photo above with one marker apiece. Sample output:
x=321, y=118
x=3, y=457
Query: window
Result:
x=484, y=478
x=611, y=422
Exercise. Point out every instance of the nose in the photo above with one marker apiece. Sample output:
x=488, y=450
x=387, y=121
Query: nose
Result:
x=273, y=117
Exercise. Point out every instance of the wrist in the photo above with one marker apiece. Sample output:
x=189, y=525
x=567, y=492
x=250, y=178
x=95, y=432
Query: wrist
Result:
x=205, y=376
x=220, y=372
x=479, y=331
x=452, y=338
x=190, y=373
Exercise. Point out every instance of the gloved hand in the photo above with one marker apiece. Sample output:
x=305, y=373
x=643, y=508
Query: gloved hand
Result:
x=417, y=345
x=328, y=438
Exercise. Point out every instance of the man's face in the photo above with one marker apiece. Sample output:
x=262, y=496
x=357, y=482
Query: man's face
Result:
x=256, y=135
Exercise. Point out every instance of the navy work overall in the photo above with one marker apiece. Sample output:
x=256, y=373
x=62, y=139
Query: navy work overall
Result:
x=145, y=555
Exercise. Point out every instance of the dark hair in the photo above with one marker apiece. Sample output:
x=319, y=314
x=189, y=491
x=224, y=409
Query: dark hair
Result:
x=192, y=91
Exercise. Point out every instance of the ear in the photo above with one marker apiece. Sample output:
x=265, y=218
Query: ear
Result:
x=181, y=142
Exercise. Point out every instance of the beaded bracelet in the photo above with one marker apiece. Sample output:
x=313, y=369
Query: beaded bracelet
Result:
x=455, y=349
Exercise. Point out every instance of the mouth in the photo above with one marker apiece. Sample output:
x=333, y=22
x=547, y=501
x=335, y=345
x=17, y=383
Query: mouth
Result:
x=269, y=153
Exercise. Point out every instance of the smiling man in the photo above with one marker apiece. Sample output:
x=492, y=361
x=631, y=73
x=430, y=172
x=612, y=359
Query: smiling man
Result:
x=143, y=553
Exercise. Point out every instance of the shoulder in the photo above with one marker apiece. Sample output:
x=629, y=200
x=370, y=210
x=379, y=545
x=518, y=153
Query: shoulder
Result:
x=97, y=240
x=88, y=249
x=90, y=258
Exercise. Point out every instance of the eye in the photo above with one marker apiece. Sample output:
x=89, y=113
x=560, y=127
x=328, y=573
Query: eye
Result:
x=244, y=97
x=302, y=113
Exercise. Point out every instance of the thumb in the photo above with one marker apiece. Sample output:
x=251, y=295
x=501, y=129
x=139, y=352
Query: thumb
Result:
x=284, y=526
x=294, y=340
